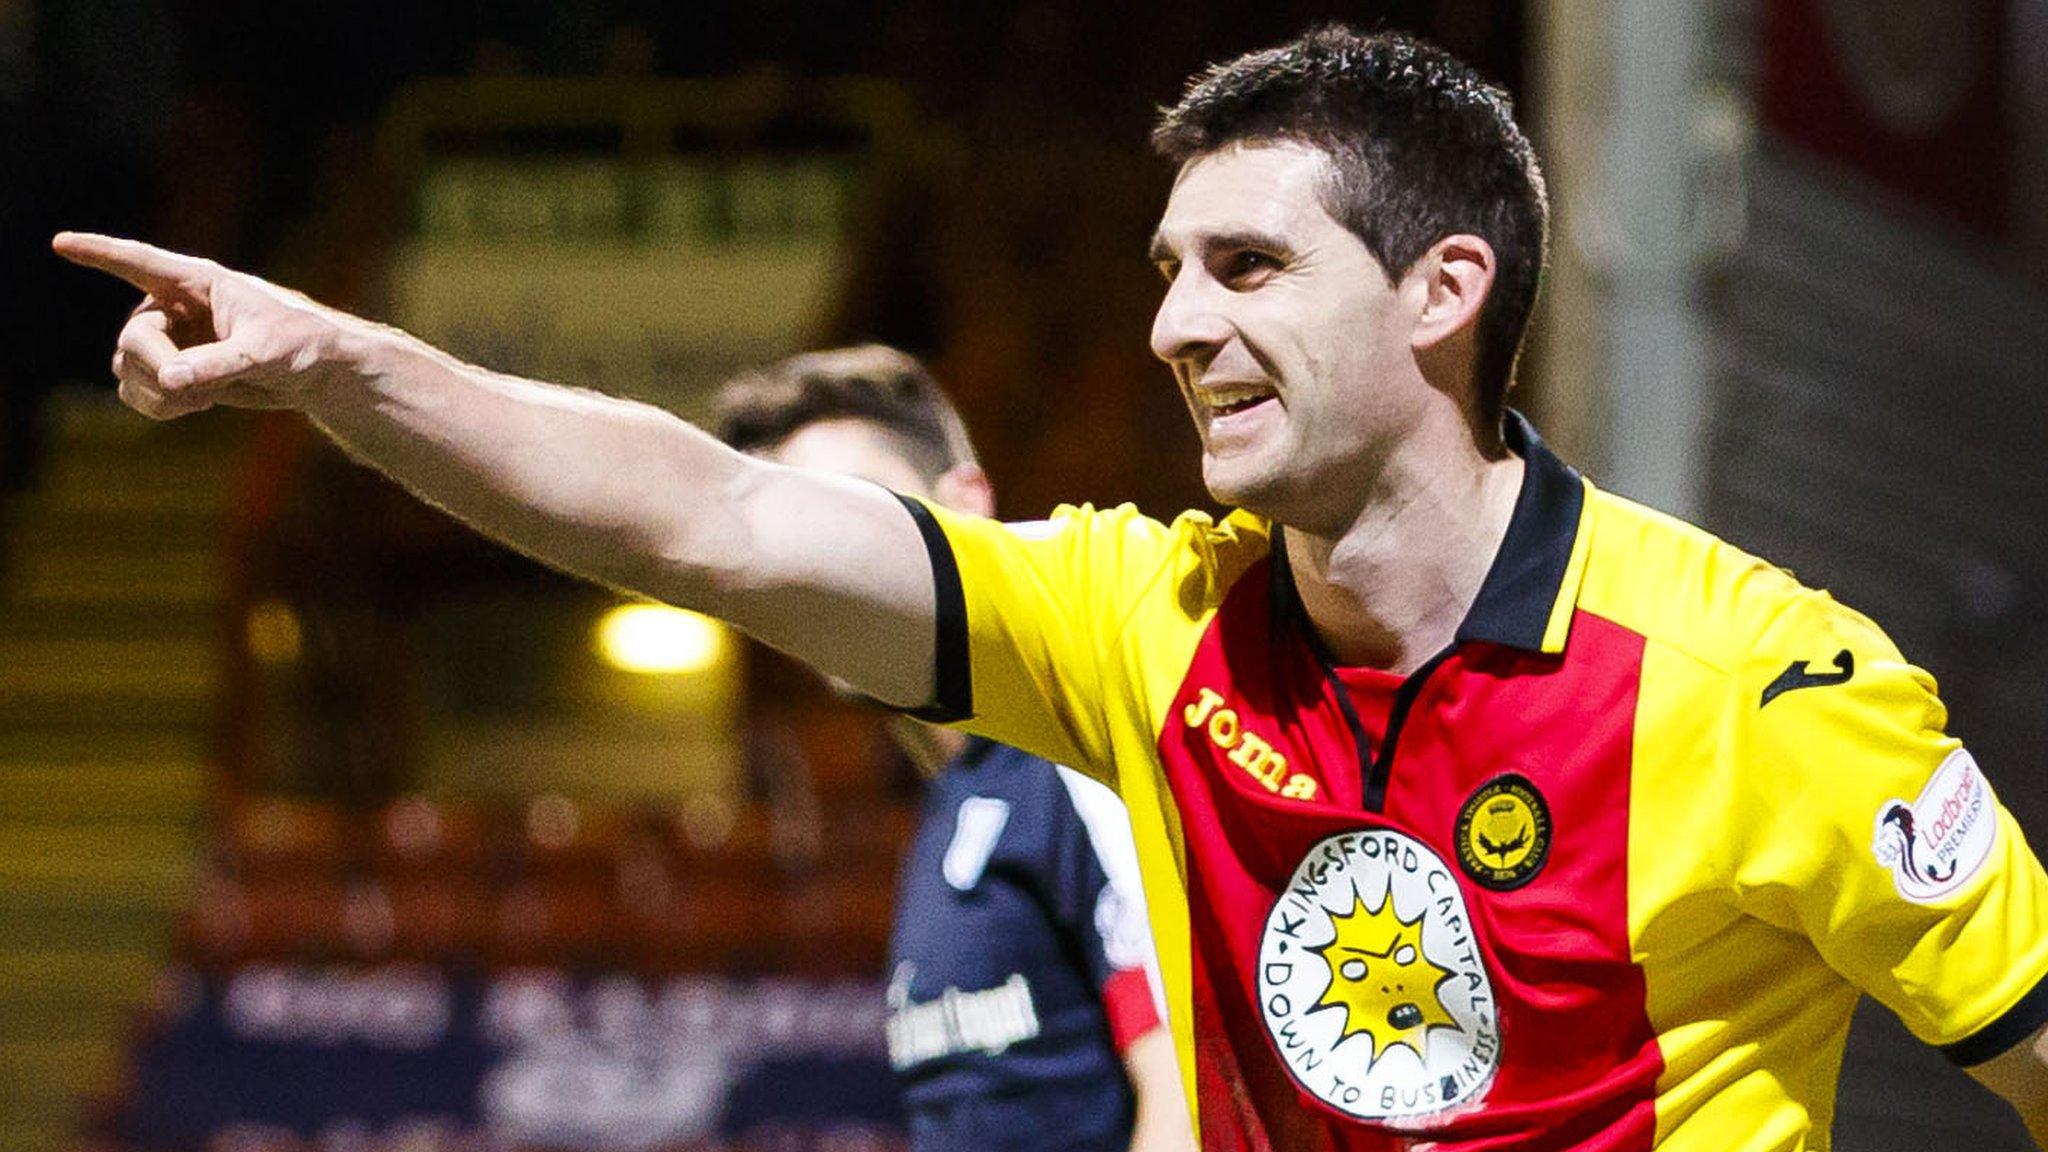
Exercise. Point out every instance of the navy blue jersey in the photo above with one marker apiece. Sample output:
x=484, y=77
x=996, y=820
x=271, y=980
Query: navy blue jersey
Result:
x=1019, y=960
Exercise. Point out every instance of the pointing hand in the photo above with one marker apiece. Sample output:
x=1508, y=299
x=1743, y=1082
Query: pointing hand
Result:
x=206, y=335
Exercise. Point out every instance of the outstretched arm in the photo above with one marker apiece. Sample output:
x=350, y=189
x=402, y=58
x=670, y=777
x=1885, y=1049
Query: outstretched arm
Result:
x=1162, y=1123
x=2021, y=1076
x=831, y=570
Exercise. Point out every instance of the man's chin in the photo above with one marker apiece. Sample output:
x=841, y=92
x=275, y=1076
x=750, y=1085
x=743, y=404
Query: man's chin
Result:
x=1272, y=496
x=1233, y=485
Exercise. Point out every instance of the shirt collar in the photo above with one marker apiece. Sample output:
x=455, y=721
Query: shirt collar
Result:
x=1530, y=592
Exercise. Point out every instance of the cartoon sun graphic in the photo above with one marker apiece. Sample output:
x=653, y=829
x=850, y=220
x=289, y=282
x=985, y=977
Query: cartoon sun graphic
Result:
x=1380, y=977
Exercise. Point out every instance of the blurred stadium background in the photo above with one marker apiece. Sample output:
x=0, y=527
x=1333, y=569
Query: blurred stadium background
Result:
x=325, y=826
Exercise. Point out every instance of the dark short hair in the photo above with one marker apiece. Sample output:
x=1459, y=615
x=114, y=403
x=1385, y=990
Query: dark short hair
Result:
x=1420, y=146
x=888, y=388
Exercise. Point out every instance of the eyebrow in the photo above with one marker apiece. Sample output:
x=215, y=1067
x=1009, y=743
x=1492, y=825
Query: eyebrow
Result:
x=1160, y=251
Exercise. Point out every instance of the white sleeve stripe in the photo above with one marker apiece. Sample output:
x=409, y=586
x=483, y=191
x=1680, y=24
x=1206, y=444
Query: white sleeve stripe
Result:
x=1108, y=824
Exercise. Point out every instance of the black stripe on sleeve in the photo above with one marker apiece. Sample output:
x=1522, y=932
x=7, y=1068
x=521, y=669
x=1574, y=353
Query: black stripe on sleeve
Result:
x=1998, y=1037
x=952, y=678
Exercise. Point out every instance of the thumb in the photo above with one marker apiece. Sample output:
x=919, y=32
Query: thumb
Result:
x=206, y=364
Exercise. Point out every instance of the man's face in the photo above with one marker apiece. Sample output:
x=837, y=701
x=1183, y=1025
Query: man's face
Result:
x=1284, y=335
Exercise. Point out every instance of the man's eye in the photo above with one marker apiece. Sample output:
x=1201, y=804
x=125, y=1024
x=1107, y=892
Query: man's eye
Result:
x=1246, y=264
x=1168, y=269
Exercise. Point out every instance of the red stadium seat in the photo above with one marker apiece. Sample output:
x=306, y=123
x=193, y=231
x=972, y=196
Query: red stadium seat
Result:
x=560, y=840
x=267, y=836
x=837, y=922
x=440, y=919
x=299, y=918
x=723, y=926
x=415, y=835
x=561, y=924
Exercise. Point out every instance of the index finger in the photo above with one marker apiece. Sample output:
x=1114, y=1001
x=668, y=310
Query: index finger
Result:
x=146, y=266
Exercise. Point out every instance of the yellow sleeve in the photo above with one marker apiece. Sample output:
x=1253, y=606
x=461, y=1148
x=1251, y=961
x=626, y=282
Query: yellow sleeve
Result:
x=1034, y=645
x=1885, y=845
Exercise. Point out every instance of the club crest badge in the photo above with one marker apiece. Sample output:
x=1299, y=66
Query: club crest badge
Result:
x=1935, y=844
x=1504, y=833
x=1372, y=983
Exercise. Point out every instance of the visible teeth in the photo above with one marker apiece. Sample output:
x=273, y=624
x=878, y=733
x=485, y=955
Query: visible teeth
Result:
x=1233, y=395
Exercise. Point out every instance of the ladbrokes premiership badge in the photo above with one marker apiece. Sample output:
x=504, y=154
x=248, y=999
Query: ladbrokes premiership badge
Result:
x=1372, y=984
x=1935, y=844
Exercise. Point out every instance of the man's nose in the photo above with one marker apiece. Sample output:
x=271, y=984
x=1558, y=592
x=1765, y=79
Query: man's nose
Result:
x=1189, y=324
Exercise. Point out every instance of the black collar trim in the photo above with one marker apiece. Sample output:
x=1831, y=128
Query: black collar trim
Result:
x=1521, y=591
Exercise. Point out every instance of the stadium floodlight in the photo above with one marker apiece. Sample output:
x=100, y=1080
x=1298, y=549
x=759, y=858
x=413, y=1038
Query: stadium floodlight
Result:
x=659, y=640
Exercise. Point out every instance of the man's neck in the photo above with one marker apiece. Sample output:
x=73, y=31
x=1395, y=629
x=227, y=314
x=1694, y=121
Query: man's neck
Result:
x=1391, y=588
x=929, y=747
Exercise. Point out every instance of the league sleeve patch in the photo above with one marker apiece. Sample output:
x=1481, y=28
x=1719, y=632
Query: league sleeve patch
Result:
x=1936, y=843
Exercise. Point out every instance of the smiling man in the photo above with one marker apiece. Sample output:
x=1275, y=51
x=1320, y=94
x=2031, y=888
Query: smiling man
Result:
x=1477, y=808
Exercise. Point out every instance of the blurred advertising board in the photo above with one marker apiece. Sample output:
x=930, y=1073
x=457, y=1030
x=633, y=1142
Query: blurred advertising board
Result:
x=640, y=237
x=420, y=1058
x=654, y=281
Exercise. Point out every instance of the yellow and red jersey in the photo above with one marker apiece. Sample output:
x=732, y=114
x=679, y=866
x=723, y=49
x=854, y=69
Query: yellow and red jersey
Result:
x=1608, y=873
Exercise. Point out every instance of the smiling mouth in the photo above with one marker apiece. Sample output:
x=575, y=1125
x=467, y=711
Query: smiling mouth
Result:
x=1230, y=401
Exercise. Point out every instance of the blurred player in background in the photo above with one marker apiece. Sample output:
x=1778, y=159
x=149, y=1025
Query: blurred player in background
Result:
x=1023, y=1008
x=1478, y=809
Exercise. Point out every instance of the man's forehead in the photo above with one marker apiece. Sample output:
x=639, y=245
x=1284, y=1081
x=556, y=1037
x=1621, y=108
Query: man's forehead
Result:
x=849, y=446
x=1246, y=190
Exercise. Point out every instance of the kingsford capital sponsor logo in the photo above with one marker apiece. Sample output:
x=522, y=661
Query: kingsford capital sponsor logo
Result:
x=1372, y=984
x=1935, y=844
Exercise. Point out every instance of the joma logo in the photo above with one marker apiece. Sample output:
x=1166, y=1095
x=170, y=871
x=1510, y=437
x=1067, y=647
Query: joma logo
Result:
x=1247, y=750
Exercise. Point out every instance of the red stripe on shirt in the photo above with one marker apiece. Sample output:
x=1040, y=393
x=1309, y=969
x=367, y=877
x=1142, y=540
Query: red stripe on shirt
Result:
x=1578, y=1060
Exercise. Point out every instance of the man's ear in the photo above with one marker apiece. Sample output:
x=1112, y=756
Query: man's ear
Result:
x=965, y=488
x=1452, y=282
